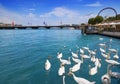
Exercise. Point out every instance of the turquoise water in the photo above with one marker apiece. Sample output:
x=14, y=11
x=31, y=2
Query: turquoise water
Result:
x=23, y=54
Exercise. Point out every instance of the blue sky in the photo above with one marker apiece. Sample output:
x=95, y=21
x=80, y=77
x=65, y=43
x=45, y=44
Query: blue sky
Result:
x=53, y=11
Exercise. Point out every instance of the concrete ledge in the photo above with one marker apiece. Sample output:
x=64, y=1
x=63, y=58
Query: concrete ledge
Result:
x=111, y=34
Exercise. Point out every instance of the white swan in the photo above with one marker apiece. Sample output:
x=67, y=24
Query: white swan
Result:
x=85, y=48
x=116, y=56
x=106, y=79
x=111, y=40
x=115, y=74
x=97, y=62
x=59, y=55
x=113, y=62
x=93, y=52
x=75, y=68
x=112, y=50
x=93, y=70
x=47, y=65
x=81, y=80
x=102, y=50
x=107, y=55
x=81, y=51
x=100, y=38
x=74, y=55
x=77, y=60
x=93, y=59
x=102, y=44
x=64, y=79
x=84, y=56
x=63, y=61
x=61, y=70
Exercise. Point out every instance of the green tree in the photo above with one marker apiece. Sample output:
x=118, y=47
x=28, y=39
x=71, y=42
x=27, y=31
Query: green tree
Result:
x=91, y=21
x=110, y=19
x=98, y=19
x=82, y=23
x=118, y=17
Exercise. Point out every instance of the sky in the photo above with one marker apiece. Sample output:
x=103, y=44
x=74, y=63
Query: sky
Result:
x=54, y=12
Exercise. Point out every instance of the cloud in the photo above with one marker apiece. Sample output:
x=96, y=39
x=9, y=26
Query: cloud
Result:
x=53, y=17
x=31, y=15
x=67, y=16
x=32, y=9
x=7, y=16
x=60, y=12
x=96, y=4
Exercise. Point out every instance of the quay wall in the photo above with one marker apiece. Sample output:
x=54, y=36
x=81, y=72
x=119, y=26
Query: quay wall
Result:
x=111, y=34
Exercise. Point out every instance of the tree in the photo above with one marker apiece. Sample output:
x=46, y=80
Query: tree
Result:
x=118, y=17
x=91, y=21
x=112, y=18
x=82, y=23
x=98, y=19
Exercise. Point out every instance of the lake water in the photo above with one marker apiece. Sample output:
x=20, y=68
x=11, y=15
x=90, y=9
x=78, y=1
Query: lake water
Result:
x=23, y=54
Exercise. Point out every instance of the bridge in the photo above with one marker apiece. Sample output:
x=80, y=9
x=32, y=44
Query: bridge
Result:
x=38, y=27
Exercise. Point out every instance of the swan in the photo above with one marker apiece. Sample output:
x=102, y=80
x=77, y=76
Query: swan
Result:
x=74, y=55
x=47, y=65
x=112, y=50
x=81, y=51
x=59, y=55
x=81, y=80
x=61, y=70
x=93, y=70
x=113, y=62
x=115, y=74
x=102, y=44
x=75, y=68
x=107, y=55
x=97, y=62
x=64, y=79
x=100, y=38
x=84, y=56
x=102, y=50
x=93, y=59
x=106, y=79
x=93, y=52
x=63, y=61
x=116, y=56
x=111, y=40
x=85, y=48
x=77, y=60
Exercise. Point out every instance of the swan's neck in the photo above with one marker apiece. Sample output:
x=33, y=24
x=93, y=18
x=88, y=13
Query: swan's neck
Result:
x=108, y=69
x=82, y=59
x=63, y=80
x=74, y=76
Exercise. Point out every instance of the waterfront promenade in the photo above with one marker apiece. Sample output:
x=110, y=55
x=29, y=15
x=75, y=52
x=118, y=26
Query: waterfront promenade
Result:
x=111, y=29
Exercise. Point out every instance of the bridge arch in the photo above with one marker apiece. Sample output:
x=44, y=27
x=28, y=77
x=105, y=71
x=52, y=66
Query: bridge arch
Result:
x=106, y=9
